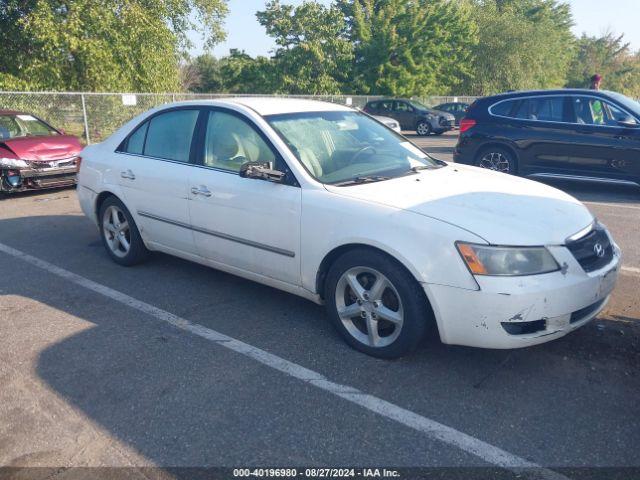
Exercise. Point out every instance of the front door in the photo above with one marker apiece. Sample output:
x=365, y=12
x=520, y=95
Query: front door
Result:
x=604, y=147
x=249, y=224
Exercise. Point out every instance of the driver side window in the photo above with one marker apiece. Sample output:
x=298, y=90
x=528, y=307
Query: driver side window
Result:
x=595, y=111
x=231, y=141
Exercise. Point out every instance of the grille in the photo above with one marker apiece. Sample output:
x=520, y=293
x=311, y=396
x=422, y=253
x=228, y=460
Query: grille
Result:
x=585, y=249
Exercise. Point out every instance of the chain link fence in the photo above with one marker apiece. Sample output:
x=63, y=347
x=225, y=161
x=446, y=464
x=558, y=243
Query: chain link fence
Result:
x=92, y=117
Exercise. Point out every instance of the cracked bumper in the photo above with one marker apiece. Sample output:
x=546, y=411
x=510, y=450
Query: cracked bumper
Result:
x=29, y=177
x=558, y=303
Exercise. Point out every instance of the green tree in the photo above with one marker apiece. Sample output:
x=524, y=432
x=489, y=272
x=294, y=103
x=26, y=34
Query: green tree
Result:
x=100, y=45
x=522, y=44
x=409, y=47
x=235, y=73
x=243, y=74
x=609, y=56
x=313, y=54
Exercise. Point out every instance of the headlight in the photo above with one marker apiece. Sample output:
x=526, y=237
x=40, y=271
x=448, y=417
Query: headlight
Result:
x=507, y=261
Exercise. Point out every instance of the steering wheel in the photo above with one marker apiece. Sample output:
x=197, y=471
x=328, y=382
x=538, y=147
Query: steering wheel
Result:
x=362, y=151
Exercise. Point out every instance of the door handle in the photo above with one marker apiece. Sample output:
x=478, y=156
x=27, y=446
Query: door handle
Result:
x=128, y=174
x=201, y=190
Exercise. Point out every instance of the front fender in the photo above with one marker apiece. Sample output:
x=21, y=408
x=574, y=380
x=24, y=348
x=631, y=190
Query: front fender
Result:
x=425, y=246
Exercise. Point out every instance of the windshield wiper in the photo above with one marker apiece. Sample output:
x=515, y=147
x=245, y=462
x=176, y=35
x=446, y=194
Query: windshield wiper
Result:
x=418, y=168
x=362, y=179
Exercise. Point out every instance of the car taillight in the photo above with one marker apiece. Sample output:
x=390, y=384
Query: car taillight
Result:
x=466, y=124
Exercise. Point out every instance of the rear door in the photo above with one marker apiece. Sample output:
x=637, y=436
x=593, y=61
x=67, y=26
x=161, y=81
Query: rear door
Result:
x=249, y=224
x=544, y=135
x=154, y=172
x=404, y=114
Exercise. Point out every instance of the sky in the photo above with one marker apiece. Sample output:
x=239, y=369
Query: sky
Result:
x=591, y=16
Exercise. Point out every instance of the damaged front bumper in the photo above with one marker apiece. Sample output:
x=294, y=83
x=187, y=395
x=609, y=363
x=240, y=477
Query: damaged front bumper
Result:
x=514, y=312
x=20, y=175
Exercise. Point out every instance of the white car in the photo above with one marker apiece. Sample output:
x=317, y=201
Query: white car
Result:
x=321, y=201
x=389, y=122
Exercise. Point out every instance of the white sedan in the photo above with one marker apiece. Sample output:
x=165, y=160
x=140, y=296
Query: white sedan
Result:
x=322, y=201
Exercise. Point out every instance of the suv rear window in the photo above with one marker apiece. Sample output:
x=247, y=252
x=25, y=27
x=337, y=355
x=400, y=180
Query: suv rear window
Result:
x=542, y=109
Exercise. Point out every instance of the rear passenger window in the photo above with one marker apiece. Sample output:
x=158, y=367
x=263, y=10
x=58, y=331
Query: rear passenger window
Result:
x=135, y=143
x=546, y=109
x=169, y=135
x=503, y=109
x=385, y=106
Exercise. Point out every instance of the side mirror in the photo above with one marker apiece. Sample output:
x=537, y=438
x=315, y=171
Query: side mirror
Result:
x=261, y=171
x=628, y=122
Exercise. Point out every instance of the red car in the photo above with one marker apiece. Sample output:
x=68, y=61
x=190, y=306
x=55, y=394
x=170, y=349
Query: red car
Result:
x=35, y=155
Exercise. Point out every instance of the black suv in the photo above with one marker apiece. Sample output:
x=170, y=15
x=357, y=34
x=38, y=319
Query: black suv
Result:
x=412, y=115
x=570, y=134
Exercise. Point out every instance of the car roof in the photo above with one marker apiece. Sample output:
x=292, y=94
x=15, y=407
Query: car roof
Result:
x=11, y=112
x=560, y=91
x=279, y=105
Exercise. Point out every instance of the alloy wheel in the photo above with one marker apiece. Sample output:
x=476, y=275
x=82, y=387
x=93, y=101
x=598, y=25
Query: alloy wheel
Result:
x=369, y=306
x=423, y=128
x=116, y=231
x=495, y=161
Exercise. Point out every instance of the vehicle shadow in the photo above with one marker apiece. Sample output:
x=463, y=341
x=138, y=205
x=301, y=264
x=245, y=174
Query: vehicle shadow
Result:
x=179, y=400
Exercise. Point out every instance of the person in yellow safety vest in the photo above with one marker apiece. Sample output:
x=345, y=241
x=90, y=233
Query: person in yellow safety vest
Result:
x=596, y=106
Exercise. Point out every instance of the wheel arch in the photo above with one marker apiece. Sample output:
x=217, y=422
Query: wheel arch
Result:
x=102, y=196
x=333, y=255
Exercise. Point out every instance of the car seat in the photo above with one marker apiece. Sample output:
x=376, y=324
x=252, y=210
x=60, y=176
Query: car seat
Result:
x=309, y=159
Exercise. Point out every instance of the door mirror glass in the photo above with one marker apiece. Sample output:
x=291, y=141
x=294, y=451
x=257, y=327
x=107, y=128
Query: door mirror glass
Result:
x=261, y=171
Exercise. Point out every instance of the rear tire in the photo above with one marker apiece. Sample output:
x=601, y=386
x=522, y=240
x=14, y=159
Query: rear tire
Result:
x=497, y=159
x=376, y=304
x=119, y=233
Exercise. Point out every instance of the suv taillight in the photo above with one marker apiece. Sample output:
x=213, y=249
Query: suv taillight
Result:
x=466, y=124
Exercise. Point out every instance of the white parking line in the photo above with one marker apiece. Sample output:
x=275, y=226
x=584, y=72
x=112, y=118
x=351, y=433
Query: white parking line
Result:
x=631, y=271
x=433, y=429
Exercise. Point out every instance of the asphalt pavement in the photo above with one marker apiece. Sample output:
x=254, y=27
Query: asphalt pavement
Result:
x=171, y=364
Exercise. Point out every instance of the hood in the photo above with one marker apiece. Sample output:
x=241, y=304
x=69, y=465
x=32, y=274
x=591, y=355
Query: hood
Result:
x=500, y=208
x=43, y=148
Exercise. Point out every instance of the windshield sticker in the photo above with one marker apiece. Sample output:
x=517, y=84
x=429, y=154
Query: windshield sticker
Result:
x=27, y=118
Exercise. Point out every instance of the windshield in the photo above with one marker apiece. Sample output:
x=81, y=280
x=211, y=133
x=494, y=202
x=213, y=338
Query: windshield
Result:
x=343, y=147
x=418, y=105
x=13, y=126
x=628, y=103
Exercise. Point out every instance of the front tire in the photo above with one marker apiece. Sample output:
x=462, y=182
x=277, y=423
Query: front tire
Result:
x=120, y=235
x=423, y=128
x=497, y=159
x=376, y=305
